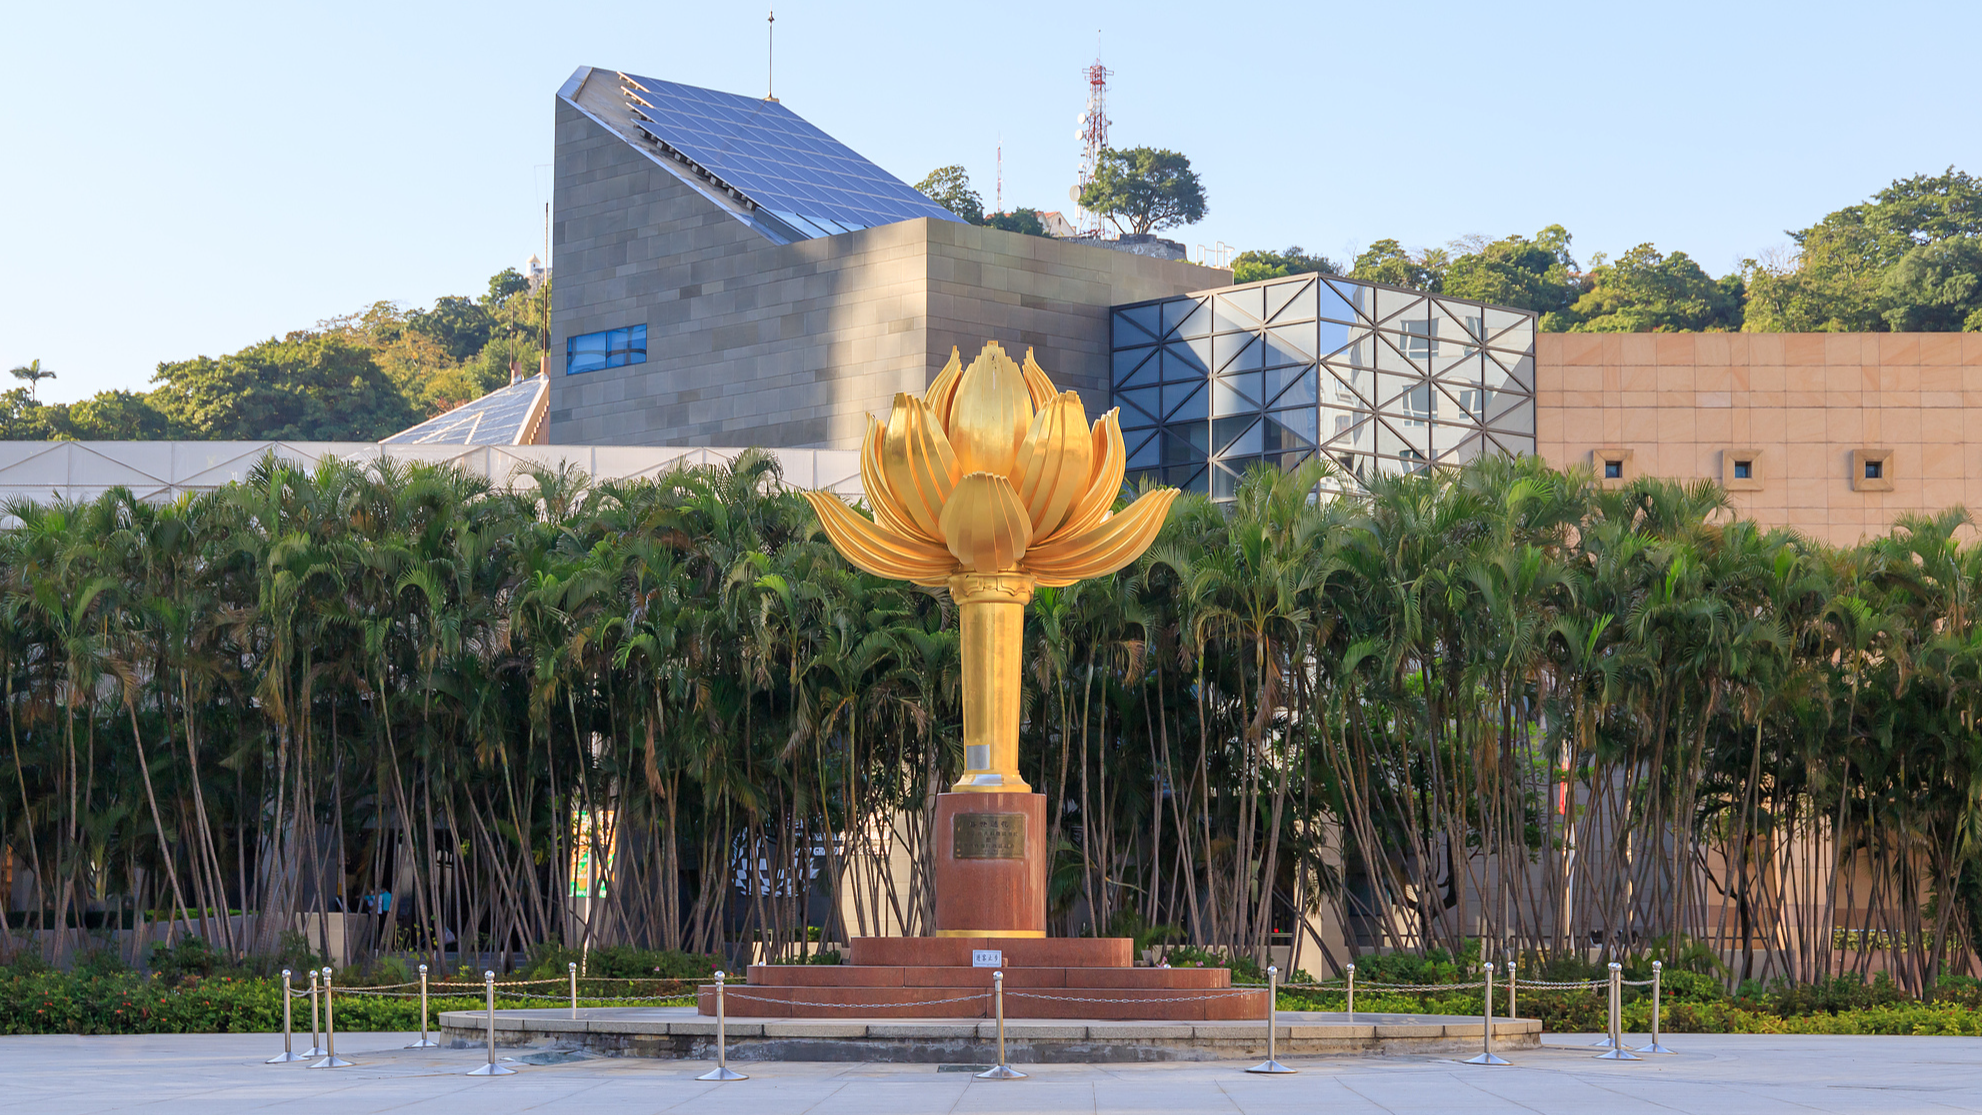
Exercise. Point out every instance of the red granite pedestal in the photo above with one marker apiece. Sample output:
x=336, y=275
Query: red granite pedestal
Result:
x=990, y=896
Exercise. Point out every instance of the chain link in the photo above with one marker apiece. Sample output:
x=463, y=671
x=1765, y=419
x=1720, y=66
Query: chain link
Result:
x=859, y=1006
x=1165, y=999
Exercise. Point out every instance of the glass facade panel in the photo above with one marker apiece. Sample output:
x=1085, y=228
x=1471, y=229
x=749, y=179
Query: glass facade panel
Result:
x=1144, y=323
x=1127, y=360
x=1297, y=303
x=1175, y=313
x=1386, y=381
x=1290, y=344
x=1285, y=387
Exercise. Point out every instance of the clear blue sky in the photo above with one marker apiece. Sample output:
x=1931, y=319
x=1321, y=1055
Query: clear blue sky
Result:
x=190, y=178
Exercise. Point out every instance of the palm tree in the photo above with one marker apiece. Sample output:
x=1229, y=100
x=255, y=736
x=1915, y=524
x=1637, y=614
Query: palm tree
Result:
x=32, y=373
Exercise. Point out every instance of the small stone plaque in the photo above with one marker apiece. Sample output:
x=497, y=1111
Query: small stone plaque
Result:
x=987, y=958
x=988, y=836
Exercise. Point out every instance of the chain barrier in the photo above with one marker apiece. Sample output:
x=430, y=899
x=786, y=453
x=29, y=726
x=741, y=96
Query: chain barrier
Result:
x=858, y=1006
x=1225, y=994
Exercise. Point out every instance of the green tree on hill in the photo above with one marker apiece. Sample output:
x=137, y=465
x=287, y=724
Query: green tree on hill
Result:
x=32, y=373
x=1910, y=258
x=1145, y=189
x=1251, y=267
x=1386, y=261
x=949, y=187
x=307, y=385
x=1648, y=292
x=1025, y=221
x=1538, y=274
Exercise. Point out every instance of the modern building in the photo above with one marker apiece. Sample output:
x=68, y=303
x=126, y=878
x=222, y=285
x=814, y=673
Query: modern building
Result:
x=1834, y=434
x=1378, y=380
x=729, y=274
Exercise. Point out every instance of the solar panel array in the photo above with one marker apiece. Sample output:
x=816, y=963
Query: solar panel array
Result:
x=806, y=179
x=497, y=418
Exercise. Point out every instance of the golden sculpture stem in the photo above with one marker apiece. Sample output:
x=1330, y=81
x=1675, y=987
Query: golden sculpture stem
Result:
x=991, y=612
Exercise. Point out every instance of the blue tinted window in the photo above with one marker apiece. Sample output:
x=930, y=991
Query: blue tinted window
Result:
x=614, y=348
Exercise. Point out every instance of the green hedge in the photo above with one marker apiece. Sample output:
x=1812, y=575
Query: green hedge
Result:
x=52, y=1002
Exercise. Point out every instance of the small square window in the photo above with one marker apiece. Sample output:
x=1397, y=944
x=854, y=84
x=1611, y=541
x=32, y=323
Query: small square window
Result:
x=1613, y=466
x=1743, y=469
x=1869, y=472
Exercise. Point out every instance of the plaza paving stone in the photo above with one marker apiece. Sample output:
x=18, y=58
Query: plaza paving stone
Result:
x=1714, y=1075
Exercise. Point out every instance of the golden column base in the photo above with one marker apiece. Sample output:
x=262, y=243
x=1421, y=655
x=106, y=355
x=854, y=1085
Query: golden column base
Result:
x=991, y=612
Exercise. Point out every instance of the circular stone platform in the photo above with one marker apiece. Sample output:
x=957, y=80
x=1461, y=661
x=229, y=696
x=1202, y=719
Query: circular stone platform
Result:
x=683, y=1033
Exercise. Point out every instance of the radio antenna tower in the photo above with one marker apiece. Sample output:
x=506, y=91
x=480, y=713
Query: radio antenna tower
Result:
x=1093, y=138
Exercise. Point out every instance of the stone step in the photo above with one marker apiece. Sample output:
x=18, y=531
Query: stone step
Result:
x=1112, y=1003
x=878, y=975
x=1019, y=952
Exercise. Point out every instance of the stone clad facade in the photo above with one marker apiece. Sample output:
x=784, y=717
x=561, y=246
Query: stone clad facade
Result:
x=1807, y=411
x=753, y=342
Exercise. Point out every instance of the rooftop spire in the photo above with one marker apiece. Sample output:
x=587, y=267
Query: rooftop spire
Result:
x=770, y=55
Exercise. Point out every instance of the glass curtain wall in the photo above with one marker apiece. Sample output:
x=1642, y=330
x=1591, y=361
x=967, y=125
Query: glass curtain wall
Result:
x=1377, y=379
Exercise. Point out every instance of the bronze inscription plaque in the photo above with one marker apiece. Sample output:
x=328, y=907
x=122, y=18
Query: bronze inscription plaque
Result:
x=988, y=836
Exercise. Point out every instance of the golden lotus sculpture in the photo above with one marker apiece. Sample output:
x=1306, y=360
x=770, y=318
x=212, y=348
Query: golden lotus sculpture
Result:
x=991, y=483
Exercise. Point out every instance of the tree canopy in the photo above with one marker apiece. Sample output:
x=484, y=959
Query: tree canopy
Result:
x=1496, y=707
x=1909, y=259
x=949, y=187
x=1145, y=189
x=358, y=377
x=1021, y=220
x=1251, y=267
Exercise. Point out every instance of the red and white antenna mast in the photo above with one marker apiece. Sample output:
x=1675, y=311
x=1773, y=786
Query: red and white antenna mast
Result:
x=1093, y=138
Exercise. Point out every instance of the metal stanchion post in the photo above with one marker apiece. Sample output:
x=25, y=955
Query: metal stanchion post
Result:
x=1271, y=1064
x=316, y=1026
x=1511, y=1012
x=722, y=1071
x=1486, y=1056
x=1658, y=999
x=1003, y=1069
x=288, y=1053
x=1352, y=992
x=491, y=1069
x=330, y=1058
x=1617, y=1052
x=573, y=969
x=423, y=1043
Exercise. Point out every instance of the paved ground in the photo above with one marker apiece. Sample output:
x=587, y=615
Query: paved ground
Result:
x=1733, y=1075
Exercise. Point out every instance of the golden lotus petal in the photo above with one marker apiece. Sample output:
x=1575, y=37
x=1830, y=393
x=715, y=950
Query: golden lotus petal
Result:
x=877, y=550
x=1037, y=384
x=918, y=464
x=943, y=389
x=1104, y=485
x=985, y=525
x=1105, y=548
x=991, y=414
x=1056, y=462
x=889, y=513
